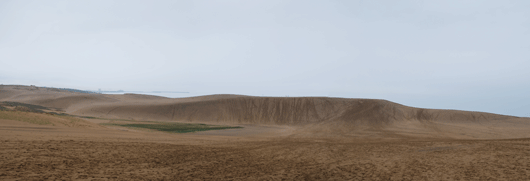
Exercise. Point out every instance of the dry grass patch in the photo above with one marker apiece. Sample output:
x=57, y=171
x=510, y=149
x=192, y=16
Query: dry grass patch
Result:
x=45, y=119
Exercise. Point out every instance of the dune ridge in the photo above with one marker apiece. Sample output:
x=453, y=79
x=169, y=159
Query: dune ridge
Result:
x=313, y=116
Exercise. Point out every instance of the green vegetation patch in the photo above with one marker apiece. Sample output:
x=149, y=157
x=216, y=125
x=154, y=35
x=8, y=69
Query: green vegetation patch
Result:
x=175, y=127
x=25, y=107
x=26, y=117
x=89, y=117
x=62, y=114
x=31, y=106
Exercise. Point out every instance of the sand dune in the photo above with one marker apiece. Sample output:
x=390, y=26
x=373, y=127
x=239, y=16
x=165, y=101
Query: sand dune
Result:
x=313, y=116
x=304, y=138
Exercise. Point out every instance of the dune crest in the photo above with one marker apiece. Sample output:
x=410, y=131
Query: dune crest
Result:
x=313, y=116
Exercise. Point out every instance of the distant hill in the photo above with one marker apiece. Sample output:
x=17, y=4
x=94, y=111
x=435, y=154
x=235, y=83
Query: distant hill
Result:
x=310, y=116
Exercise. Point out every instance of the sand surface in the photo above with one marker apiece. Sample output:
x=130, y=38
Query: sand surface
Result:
x=282, y=139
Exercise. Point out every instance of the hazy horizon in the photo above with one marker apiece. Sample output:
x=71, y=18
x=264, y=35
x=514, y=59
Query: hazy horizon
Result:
x=465, y=55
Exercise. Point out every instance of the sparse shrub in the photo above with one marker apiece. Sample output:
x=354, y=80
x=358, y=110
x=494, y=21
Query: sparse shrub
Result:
x=176, y=127
x=22, y=109
x=31, y=107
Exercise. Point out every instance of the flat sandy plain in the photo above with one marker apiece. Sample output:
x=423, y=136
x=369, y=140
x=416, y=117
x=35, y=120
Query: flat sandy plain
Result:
x=282, y=139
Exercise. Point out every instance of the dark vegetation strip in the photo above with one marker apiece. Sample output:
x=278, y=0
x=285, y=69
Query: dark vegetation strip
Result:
x=88, y=117
x=176, y=127
x=167, y=127
x=23, y=107
x=71, y=90
x=77, y=90
x=35, y=108
x=29, y=108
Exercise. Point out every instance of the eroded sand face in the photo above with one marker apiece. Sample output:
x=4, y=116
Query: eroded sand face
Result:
x=428, y=148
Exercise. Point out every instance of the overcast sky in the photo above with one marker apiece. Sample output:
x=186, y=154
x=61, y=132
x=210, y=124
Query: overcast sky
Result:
x=461, y=54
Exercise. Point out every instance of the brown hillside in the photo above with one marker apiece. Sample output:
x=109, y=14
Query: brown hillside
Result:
x=288, y=111
x=313, y=116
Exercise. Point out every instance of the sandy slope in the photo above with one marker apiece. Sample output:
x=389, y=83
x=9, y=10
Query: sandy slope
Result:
x=312, y=116
x=283, y=139
x=44, y=152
